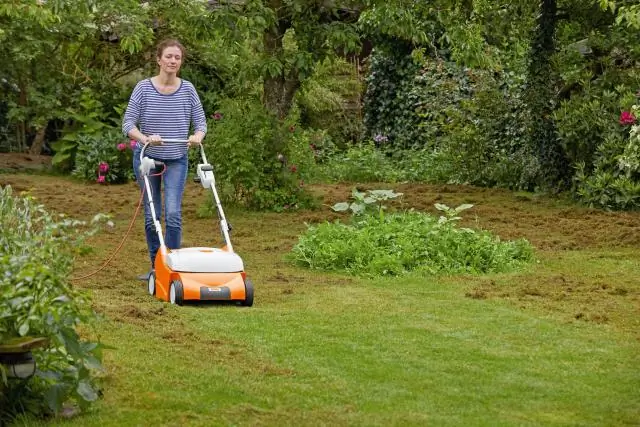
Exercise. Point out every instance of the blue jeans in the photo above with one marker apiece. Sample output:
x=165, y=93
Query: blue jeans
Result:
x=174, y=177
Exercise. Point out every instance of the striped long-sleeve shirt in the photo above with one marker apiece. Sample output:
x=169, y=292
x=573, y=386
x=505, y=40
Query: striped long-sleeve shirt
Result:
x=169, y=116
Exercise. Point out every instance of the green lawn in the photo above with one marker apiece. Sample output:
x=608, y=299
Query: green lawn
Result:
x=393, y=352
x=555, y=345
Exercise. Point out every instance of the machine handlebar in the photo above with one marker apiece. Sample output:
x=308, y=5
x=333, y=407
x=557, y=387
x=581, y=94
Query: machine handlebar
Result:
x=175, y=141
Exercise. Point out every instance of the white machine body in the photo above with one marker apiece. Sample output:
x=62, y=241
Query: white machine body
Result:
x=204, y=260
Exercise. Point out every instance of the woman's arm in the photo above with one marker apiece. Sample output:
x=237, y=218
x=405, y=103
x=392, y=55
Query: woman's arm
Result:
x=198, y=118
x=132, y=115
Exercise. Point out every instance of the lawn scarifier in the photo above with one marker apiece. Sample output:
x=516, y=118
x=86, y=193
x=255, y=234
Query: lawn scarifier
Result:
x=196, y=274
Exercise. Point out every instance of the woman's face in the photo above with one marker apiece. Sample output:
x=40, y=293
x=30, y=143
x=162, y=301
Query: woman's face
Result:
x=170, y=60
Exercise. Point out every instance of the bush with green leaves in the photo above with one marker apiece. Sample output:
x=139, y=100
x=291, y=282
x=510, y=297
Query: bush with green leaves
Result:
x=470, y=125
x=366, y=162
x=614, y=182
x=104, y=157
x=586, y=121
x=90, y=119
x=484, y=138
x=260, y=162
x=362, y=162
x=397, y=243
x=37, y=300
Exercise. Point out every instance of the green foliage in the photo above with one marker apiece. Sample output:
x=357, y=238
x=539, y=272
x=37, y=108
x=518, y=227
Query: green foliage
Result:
x=398, y=243
x=364, y=203
x=630, y=159
x=288, y=40
x=108, y=148
x=70, y=43
x=608, y=190
x=540, y=90
x=585, y=121
x=330, y=100
x=468, y=126
x=628, y=14
x=89, y=119
x=389, y=107
x=253, y=152
x=359, y=163
x=86, y=50
x=478, y=122
x=486, y=125
x=366, y=163
x=37, y=300
x=614, y=183
x=439, y=90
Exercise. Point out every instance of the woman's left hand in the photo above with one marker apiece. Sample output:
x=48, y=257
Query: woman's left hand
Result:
x=194, y=140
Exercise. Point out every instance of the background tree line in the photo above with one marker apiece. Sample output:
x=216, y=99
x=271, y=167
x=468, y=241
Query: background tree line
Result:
x=526, y=95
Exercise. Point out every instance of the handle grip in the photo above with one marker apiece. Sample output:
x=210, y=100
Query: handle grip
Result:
x=175, y=141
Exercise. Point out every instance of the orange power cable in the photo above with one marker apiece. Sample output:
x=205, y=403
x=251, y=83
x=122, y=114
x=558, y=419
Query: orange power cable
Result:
x=135, y=215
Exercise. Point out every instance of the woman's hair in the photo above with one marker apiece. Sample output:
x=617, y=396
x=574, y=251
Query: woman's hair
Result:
x=169, y=43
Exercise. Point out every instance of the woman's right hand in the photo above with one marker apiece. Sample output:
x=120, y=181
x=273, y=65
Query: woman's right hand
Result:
x=154, y=139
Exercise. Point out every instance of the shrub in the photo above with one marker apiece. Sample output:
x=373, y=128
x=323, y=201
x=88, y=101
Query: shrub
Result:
x=359, y=163
x=105, y=157
x=614, y=182
x=365, y=162
x=402, y=242
x=36, y=255
x=90, y=120
x=486, y=137
x=253, y=152
x=585, y=121
x=470, y=126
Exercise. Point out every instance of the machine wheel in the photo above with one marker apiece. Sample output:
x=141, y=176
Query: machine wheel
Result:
x=151, y=283
x=248, y=293
x=176, y=293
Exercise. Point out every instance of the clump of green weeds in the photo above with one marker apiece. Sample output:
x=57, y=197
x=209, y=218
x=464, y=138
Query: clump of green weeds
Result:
x=392, y=244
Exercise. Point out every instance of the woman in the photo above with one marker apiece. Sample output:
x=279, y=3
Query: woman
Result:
x=165, y=106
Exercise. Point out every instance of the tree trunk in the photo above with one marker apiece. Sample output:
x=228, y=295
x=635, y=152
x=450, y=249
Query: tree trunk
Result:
x=540, y=97
x=278, y=90
x=22, y=125
x=38, y=142
x=278, y=95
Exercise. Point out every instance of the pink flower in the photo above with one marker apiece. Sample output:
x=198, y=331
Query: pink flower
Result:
x=293, y=168
x=122, y=146
x=216, y=116
x=103, y=167
x=101, y=179
x=133, y=143
x=627, y=118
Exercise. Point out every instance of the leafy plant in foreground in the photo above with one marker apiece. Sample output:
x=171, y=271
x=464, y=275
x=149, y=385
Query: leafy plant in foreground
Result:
x=37, y=300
